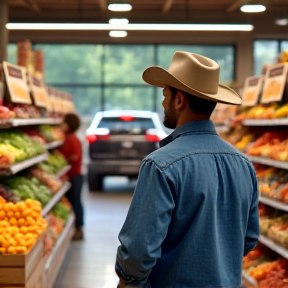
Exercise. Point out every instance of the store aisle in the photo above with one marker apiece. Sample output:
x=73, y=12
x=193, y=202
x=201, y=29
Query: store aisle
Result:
x=91, y=262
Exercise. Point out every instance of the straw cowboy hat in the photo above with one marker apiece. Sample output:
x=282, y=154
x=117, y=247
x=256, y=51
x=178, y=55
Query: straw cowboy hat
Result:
x=194, y=74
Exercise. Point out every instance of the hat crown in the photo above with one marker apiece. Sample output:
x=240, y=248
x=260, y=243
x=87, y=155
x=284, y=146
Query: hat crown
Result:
x=195, y=71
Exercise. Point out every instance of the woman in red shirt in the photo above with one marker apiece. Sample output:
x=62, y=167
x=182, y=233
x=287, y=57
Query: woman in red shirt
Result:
x=72, y=151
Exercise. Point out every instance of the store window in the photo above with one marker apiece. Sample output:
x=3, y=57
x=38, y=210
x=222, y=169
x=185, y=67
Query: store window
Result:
x=66, y=63
x=266, y=52
x=126, y=63
x=284, y=45
x=129, y=98
x=110, y=76
x=12, y=53
x=223, y=55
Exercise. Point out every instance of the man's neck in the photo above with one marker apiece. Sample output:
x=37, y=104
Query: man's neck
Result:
x=191, y=118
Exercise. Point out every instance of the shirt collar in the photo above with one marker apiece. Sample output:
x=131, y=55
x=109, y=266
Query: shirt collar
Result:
x=196, y=127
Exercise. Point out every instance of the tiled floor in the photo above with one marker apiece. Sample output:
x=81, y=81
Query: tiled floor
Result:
x=91, y=262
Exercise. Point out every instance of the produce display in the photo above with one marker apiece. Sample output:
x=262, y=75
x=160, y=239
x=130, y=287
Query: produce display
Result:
x=49, y=180
x=267, y=111
x=272, y=182
x=15, y=146
x=54, y=163
x=269, y=270
x=56, y=219
x=25, y=187
x=51, y=133
x=21, y=225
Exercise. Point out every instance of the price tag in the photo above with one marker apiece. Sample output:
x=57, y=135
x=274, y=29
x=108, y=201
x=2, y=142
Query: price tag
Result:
x=275, y=81
x=38, y=92
x=17, y=83
x=252, y=89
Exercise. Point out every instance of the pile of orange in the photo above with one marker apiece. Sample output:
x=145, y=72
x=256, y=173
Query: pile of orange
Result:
x=20, y=226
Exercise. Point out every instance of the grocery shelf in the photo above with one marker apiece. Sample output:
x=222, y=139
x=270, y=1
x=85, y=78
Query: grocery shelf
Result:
x=26, y=122
x=56, y=258
x=268, y=162
x=273, y=246
x=274, y=203
x=53, y=145
x=55, y=199
x=63, y=171
x=265, y=122
x=249, y=279
x=23, y=165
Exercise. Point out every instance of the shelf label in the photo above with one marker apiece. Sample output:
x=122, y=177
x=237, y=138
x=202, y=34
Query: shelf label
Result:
x=252, y=89
x=17, y=83
x=275, y=81
x=38, y=92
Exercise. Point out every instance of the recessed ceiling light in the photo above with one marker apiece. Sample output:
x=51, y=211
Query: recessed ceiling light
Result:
x=129, y=27
x=282, y=22
x=253, y=8
x=118, y=21
x=119, y=7
x=118, y=34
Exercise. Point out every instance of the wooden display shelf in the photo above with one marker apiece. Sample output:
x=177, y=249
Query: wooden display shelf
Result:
x=28, y=122
x=63, y=171
x=268, y=162
x=56, y=258
x=24, y=270
x=15, y=168
x=55, y=199
x=53, y=145
x=274, y=203
x=265, y=122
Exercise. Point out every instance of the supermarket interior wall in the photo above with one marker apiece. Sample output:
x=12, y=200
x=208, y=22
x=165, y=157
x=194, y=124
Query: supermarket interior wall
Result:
x=3, y=30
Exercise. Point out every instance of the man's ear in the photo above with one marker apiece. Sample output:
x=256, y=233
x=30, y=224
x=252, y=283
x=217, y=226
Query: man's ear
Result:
x=180, y=100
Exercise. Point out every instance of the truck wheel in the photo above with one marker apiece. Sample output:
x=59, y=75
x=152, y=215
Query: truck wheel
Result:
x=95, y=183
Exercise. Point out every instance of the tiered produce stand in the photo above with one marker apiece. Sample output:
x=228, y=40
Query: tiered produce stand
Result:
x=32, y=172
x=259, y=130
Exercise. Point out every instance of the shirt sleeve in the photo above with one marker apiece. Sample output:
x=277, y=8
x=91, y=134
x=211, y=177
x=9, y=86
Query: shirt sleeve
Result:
x=146, y=225
x=252, y=233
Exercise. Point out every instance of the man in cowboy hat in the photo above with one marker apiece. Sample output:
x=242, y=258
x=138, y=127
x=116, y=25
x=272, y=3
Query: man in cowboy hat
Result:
x=194, y=213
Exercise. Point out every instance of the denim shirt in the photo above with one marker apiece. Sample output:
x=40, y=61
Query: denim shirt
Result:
x=193, y=216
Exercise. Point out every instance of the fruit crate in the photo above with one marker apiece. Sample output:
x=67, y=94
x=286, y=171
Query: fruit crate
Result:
x=25, y=270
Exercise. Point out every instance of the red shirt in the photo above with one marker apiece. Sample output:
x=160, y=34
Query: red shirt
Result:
x=72, y=151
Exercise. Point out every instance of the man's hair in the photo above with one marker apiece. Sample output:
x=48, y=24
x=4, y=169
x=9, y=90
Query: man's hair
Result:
x=197, y=105
x=73, y=122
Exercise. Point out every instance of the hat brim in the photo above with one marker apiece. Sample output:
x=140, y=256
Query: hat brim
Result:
x=158, y=76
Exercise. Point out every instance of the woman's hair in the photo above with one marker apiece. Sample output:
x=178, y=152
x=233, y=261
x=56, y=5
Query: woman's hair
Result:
x=197, y=105
x=73, y=122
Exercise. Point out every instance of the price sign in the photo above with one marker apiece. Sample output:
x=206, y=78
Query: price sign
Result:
x=252, y=89
x=38, y=92
x=17, y=83
x=275, y=81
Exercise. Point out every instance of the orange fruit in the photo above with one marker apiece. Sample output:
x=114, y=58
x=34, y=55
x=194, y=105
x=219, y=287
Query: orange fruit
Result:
x=2, y=215
x=12, y=242
x=13, y=221
x=4, y=224
x=21, y=249
x=6, y=207
x=26, y=213
x=17, y=215
x=23, y=230
x=11, y=250
x=5, y=244
x=2, y=250
x=10, y=214
x=21, y=222
x=21, y=206
x=13, y=207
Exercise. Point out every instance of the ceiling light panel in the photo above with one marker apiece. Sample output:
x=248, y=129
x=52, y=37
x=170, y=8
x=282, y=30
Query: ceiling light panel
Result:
x=119, y=7
x=253, y=8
